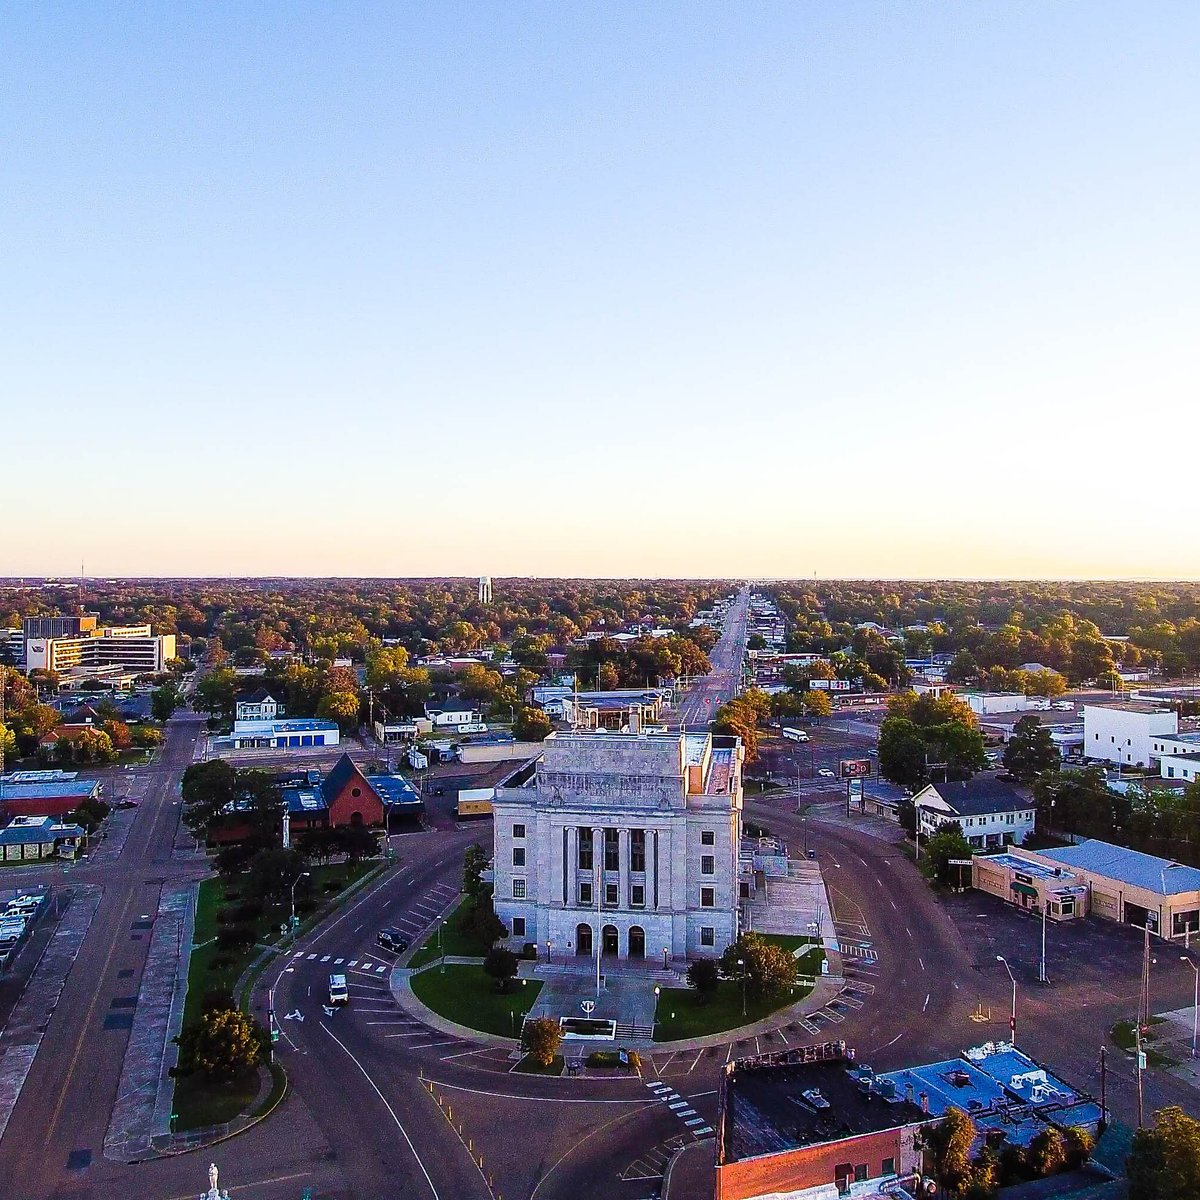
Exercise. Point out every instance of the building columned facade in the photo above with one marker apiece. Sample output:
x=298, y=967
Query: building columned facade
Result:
x=623, y=845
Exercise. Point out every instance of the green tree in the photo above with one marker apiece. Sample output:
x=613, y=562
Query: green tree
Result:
x=532, y=725
x=223, y=1044
x=208, y=788
x=764, y=968
x=541, y=1038
x=271, y=873
x=817, y=703
x=216, y=694
x=947, y=844
x=704, y=976
x=903, y=753
x=1164, y=1163
x=475, y=861
x=1047, y=1152
x=8, y=742
x=1030, y=751
x=501, y=964
x=164, y=701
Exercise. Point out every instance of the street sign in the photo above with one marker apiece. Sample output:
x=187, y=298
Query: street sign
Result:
x=961, y=862
x=855, y=768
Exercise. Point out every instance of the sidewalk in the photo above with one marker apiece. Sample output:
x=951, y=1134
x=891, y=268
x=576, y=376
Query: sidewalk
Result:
x=143, y=1107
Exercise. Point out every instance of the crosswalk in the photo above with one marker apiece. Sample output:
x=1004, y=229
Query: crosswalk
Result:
x=366, y=966
x=680, y=1107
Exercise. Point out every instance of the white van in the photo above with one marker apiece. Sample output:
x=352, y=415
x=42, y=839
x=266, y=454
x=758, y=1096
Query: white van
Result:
x=338, y=992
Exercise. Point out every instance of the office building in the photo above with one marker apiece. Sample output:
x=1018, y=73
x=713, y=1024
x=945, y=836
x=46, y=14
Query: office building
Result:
x=78, y=648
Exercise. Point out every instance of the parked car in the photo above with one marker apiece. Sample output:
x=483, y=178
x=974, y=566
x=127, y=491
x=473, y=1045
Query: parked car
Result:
x=392, y=939
x=826, y=773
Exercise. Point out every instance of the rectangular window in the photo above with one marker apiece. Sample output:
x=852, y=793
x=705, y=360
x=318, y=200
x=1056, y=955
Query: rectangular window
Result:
x=860, y=1173
x=708, y=935
x=518, y=856
x=518, y=924
x=708, y=864
x=585, y=849
x=612, y=850
x=708, y=897
x=519, y=832
x=610, y=895
x=585, y=893
x=889, y=1166
x=708, y=837
x=637, y=850
x=638, y=895
x=518, y=889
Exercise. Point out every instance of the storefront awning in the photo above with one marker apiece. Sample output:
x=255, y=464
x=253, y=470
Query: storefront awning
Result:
x=1023, y=889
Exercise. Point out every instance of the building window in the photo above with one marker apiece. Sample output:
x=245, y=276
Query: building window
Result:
x=708, y=935
x=841, y=1177
x=708, y=897
x=585, y=849
x=860, y=1173
x=889, y=1166
x=519, y=832
x=708, y=837
x=638, y=895
x=708, y=864
x=518, y=926
x=518, y=889
x=585, y=893
x=637, y=850
x=1185, y=922
x=612, y=850
x=610, y=895
x=518, y=856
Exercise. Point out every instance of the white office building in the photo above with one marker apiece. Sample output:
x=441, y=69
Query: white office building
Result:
x=626, y=843
x=1126, y=733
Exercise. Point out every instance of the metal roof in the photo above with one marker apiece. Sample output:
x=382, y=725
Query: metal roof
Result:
x=1158, y=875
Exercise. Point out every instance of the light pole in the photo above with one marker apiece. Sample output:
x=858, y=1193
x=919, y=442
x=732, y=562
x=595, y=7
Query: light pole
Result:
x=441, y=951
x=1042, y=967
x=1195, y=1000
x=1012, y=1022
x=549, y=950
x=292, y=922
x=742, y=970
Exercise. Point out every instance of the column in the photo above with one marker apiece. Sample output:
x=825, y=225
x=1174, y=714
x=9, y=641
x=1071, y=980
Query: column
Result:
x=572, y=866
x=623, y=867
x=654, y=868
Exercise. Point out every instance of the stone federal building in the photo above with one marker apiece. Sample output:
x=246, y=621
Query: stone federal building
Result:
x=626, y=844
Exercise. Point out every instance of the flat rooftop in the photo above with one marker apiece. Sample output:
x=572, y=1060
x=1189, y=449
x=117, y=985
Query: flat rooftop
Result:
x=1036, y=870
x=776, y=1107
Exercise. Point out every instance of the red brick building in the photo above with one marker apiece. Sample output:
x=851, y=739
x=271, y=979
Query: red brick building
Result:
x=349, y=797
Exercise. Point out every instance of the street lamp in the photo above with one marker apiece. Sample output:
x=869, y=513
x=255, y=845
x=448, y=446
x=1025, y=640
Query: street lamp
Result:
x=1195, y=1000
x=292, y=923
x=1012, y=1021
x=549, y=949
x=742, y=970
x=441, y=951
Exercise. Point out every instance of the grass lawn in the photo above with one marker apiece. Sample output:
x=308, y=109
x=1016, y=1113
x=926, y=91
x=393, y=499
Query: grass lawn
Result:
x=198, y=1103
x=466, y=995
x=1123, y=1034
x=454, y=943
x=680, y=1016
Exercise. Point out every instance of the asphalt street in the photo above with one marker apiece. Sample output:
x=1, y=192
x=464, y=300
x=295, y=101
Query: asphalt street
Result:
x=710, y=691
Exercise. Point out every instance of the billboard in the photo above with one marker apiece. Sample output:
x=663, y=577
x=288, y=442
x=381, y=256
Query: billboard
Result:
x=854, y=768
x=831, y=685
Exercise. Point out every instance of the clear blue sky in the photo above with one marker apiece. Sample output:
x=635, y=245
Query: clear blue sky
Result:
x=657, y=289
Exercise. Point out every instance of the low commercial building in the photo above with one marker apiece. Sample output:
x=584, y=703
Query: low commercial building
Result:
x=1020, y=879
x=1125, y=733
x=989, y=812
x=621, y=710
x=45, y=793
x=814, y=1124
x=285, y=734
x=1177, y=755
x=453, y=714
x=985, y=704
x=1131, y=887
x=34, y=838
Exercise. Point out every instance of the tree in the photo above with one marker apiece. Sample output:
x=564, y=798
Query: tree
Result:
x=357, y=842
x=501, y=964
x=271, y=873
x=216, y=694
x=902, y=753
x=475, y=861
x=8, y=741
x=223, y=1044
x=764, y=968
x=164, y=701
x=208, y=789
x=1030, y=751
x=704, y=976
x=947, y=844
x=817, y=703
x=1047, y=1153
x=341, y=707
x=947, y=1145
x=541, y=1038
x=1164, y=1163
x=532, y=725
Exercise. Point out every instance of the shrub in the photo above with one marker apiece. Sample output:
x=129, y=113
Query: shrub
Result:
x=233, y=937
x=704, y=976
x=247, y=910
x=529, y=950
x=541, y=1038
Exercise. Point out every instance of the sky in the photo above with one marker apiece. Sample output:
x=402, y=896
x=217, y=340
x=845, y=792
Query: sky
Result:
x=699, y=289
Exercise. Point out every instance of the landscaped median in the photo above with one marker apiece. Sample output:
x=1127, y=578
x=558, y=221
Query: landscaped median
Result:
x=465, y=995
x=684, y=1013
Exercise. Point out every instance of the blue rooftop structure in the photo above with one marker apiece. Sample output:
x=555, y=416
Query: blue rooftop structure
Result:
x=1158, y=875
x=397, y=794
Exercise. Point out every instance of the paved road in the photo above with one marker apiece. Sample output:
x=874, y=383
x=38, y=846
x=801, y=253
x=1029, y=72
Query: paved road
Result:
x=710, y=691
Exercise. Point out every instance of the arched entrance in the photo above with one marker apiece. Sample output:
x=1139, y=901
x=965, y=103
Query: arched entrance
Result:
x=610, y=941
x=637, y=942
x=583, y=939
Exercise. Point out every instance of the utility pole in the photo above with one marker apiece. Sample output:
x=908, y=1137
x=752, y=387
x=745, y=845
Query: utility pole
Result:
x=1103, y=1089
